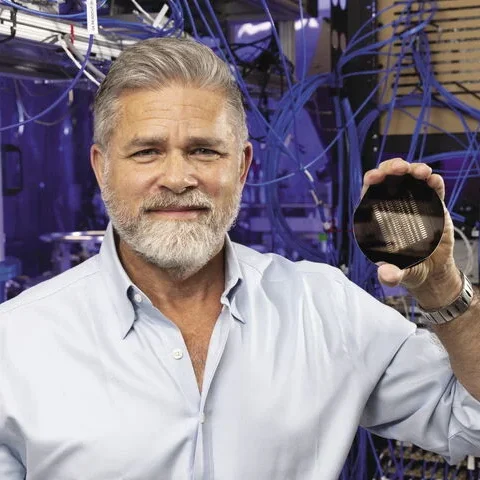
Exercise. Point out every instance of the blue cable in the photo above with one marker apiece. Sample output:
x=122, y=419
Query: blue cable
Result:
x=73, y=16
x=285, y=69
x=340, y=169
x=350, y=121
x=192, y=21
x=462, y=178
x=392, y=103
x=304, y=43
x=379, y=468
x=62, y=96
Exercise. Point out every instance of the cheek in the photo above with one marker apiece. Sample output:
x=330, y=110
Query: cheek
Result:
x=130, y=186
x=224, y=182
x=122, y=196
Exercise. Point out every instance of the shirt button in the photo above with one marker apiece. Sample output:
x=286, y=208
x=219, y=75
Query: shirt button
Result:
x=202, y=418
x=138, y=298
x=177, y=354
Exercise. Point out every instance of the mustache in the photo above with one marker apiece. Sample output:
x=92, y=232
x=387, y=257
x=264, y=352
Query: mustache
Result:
x=193, y=199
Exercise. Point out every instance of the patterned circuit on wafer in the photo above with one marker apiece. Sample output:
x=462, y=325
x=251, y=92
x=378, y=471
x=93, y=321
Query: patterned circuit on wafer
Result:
x=400, y=223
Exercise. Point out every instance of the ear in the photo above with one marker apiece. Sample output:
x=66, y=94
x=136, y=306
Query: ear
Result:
x=97, y=160
x=246, y=161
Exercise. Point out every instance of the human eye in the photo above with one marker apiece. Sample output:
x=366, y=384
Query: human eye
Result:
x=146, y=154
x=204, y=153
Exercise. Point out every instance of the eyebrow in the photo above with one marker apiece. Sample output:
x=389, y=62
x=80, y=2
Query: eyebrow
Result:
x=206, y=142
x=141, y=142
x=138, y=142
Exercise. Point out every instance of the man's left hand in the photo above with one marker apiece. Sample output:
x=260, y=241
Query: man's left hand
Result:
x=439, y=268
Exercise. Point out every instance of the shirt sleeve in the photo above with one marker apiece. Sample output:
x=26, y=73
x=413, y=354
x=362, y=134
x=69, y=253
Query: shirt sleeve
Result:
x=419, y=400
x=10, y=467
x=404, y=372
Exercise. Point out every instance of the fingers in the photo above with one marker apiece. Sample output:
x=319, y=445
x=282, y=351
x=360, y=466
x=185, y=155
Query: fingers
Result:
x=397, y=166
x=436, y=182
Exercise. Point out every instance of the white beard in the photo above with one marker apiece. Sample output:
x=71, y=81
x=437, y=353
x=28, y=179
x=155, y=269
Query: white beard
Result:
x=182, y=247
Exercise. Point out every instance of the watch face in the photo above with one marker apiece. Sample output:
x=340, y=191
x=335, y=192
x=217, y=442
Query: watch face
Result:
x=399, y=221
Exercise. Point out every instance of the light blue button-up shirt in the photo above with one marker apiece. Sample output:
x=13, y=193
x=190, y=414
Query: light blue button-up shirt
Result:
x=97, y=384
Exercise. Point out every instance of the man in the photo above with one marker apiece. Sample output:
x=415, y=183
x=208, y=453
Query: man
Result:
x=175, y=354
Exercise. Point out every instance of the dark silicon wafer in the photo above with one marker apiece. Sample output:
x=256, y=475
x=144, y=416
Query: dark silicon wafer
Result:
x=399, y=221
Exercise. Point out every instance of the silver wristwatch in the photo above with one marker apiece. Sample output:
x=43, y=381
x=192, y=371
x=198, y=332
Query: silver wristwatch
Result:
x=452, y=311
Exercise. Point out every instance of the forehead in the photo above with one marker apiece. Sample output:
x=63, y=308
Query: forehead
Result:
x=172, y=110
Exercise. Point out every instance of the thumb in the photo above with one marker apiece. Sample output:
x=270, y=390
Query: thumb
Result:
x=390, y=275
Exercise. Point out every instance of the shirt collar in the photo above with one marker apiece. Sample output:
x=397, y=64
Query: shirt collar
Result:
x=122, y=289
x=233, y=279
x=119, y=283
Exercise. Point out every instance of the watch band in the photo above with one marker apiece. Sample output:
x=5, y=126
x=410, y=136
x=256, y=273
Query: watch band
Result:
x=452, y=311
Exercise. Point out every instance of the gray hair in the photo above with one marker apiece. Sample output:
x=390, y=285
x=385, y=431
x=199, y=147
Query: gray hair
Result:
x=160, y=62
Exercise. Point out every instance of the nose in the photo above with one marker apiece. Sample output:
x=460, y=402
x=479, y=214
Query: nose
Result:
x=176, y=174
